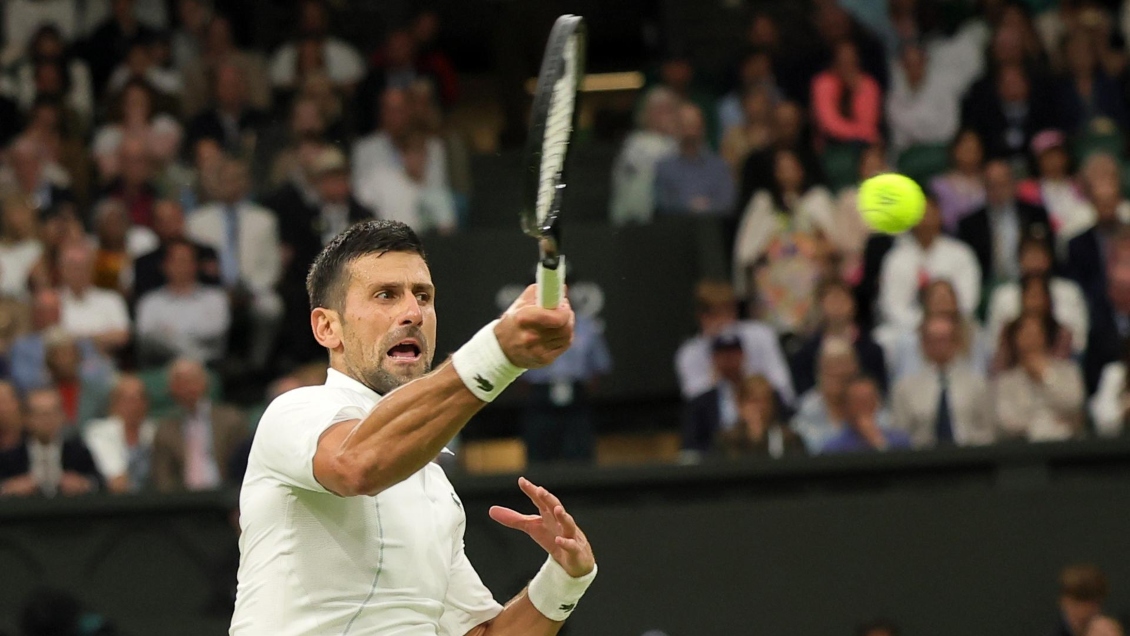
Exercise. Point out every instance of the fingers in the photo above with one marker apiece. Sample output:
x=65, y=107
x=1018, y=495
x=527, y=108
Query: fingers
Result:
x=572, y=545
x=512, y=518
x=535, y=495
x=568, y=525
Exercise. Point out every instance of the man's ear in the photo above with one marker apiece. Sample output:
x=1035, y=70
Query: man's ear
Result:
x=326, y=324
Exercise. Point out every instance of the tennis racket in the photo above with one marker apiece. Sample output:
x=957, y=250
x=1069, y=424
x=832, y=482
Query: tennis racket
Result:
x=551, y=127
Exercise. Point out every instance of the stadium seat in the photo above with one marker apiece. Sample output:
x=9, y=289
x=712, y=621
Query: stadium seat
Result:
x=1089, y=143
x=161, y=403
x=484, y=456
x=840, y=163
x=923, y=162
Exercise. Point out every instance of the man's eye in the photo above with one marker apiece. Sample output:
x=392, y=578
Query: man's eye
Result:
x=383, y=295
x=422, y=297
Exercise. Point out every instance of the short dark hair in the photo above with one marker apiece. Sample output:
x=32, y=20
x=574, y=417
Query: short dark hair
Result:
x=325, y=283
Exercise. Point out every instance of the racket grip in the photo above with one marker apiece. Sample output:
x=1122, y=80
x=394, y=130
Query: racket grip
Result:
x=551, y=284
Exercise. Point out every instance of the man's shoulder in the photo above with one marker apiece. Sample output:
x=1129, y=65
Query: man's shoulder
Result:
x=312, y=399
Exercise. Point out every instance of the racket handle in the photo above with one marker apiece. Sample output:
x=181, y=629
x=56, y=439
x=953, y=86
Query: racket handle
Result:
x=551, y=284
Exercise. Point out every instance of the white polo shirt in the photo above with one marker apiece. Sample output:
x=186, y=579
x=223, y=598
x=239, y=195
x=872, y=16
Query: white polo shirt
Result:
x=315, y=563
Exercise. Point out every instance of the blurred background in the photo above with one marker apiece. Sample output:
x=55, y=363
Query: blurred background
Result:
x=771, y=421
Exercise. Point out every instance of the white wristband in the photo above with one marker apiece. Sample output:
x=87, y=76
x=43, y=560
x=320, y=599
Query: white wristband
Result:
x=483, y=366
x=554, y=593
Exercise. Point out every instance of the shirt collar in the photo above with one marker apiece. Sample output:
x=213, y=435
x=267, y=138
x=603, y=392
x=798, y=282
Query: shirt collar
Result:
x=338, y=379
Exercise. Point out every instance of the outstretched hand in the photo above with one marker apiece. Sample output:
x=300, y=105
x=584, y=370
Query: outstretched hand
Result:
x=552, y=528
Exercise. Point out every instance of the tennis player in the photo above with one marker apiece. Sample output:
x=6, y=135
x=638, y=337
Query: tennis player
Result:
x=349, y=526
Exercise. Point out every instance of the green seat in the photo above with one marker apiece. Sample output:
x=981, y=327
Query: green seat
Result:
x=1089, y=143
x=161, y=403
x=923, y=162
x=841, y=165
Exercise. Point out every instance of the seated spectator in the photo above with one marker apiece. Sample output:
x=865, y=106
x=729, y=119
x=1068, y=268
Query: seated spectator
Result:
x=182, y=318
x=760, y=431
x=716, y=310
x=924, y=103
x=48, y=44
x=678, y=74
x=1109, y=311
x=47, y=463
x=134, y=186
x=89, y=311
x=66, y=151
x=847, y=103
x=133, y=115
x=83, y=377
x=383, y=150
x=121, y=443
x=110, y=42
x=1086, y=252
x=191, y=31
x=755, y=70
x=1006, y=113
x=26, y=365
x=118, y=243
x=11, y=417
x=304, y=138
x=822, y=410
x=1035, y=299
x=1086, y=92
x=694, y=181
x=558, y=422
x=1041, y=397
x=903, y=347
x=946, y=401
x=790, y=132
x=961, y=190
x=848, y=231
x=169, y=227
x=232, y=119
x=246, y=238
x=218, y=50
x=20, y=250
x=867, y=426
x=405, y=193
x=1109, y=407
x=31, y=176
x=836, y=308
x=922, y=255
x=755, y=130
x=1083, y=589
x=1066, y=301
x=191, y=451
x=633, y=172
x=339, y=59
x=782, y=249
x=1054, y=188
x=994, y=231
x=141, y=64
x=708, y=415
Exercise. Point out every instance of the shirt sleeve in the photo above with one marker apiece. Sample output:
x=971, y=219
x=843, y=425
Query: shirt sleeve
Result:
x=468, y=603
x=288, y=434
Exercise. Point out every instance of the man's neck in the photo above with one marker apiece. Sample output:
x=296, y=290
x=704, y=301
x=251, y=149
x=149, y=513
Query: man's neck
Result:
x=78, y=292
x=182, y=289
x=926, y=242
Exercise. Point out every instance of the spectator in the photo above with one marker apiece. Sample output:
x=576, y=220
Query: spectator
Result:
x=26, y=356
x=677, y=73
x=558, y=421
x=1087, y=92
x=922, y=255
x=246, y=238
x=835, y=26
x=1087, y=252
x=117, y=245
x=848, y=232
x=961, y=190
x=946, y=401
x=822, y=410
x=134, y=186
x=89, y=311
x=20, y=249
x=1041, y=398
x=191, y=451
x=122, y=442
x=836, y=309
x=191, y=32
x=1006, y=115
x=110, y=42
x=923, y=106
x=133, y=115
x=182, y=318
x=304, y=139
x=82, y=376
x=1109, y=407
x=169, y=227
x=142, y=65
x=755, y=71
x=47, y=463
x=232, y=119
x=431, y=61
x=790, y=132
x=66, y=153
x=384, y=149
x=633, y=173
x=716, y=310
x=1082, y=591
x=695, y=181
x=708, y=415
x=405, y=192
x=867, y=426
x=1064, y=299
x=760, y=431
x=1110, y=312
x=1054, y=189
x=994, y=231
x=47, y=44
x=847, y=103
x=11, y=418
x=340, y=60
x=755, y=130
x=219, y=50
x=32, y=176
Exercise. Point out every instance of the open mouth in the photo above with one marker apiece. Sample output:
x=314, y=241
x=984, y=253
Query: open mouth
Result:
x=405, y=351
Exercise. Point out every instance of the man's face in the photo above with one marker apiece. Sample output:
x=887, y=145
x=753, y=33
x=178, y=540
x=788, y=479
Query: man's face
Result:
x=188, y=385
x=333, y=187
x=692, y=131
x=728, y=363
x=862, y=400
x=168, y=220
x=130, y=402
x=76, y=268
x=180, y=264
x=396, y=115
x=136, y=166
x=939, y=340
x=45, y=416
x=834, y=373
x=998, y=183
x=931, y=224
x=63, y=360
x=388, y=319
x=838, y=306
x=1035, y=260
x=45, y=309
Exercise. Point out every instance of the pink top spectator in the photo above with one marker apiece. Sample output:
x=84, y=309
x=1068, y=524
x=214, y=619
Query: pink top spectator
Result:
x=862, y=124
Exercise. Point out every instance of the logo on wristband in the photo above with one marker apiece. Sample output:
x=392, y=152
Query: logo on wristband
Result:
x=484, y=384
x=566, y=607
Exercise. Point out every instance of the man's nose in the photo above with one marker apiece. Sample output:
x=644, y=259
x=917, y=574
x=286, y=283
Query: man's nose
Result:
x=411, y=312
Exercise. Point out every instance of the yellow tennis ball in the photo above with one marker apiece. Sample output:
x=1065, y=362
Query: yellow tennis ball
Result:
x=891, y=203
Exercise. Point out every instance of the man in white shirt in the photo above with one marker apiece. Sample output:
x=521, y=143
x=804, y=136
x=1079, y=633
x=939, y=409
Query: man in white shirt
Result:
x=633, y=172
x=348, y=523
x=921, y=107
x=922, y=255
x=340, y=59
x=403, y=193
x=121, y=443
x=383, y=150
x=89, y=311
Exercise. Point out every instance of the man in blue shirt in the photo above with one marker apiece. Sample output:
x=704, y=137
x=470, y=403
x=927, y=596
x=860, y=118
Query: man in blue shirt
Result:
x=865, y=429
x=695, y=181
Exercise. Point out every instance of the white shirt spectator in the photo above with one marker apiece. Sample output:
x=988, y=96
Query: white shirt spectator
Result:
x=95, y=312
x=633, y=175
x=1068, y=308
x=1108, y=404
x=164, y=80
x=106, y=439
x=342, y=62
x=16, y=262
x=928, y=114
x=376, y=151
x=762, y=352
x=20, y=86
x=259, y=254
x=391, y=563
x=907, y=267
x=394, y=196
x=192, y=325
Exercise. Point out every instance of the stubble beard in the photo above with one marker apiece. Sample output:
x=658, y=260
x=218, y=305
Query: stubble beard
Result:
x=375, y=369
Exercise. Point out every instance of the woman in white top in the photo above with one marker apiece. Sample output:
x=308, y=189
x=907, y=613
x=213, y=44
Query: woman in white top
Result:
x=1110, y=405
x=48, y=44
x=133, y=114
x=20, y=249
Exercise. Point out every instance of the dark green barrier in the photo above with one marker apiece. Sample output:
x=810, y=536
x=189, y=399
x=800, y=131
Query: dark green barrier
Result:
x=957, y=542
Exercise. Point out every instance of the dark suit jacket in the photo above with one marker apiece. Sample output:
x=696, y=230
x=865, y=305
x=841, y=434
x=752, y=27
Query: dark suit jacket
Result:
x=983, y=111
x=1086, y=265
x=148, y=273
x=1105, y=343
x=75, y=458
x=867, y=291
x=870, y=354
x=977, y=232
x=229, y=429
x=207, y=125
x=701, y=417
x=300, y=226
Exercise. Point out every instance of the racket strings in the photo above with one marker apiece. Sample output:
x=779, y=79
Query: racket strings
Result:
x=558, y=128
